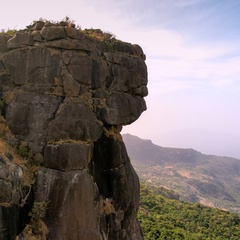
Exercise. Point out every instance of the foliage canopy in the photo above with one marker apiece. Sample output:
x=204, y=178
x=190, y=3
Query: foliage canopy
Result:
x=163, y=218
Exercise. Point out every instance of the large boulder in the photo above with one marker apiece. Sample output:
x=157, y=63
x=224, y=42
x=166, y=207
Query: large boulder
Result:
x=64, y=96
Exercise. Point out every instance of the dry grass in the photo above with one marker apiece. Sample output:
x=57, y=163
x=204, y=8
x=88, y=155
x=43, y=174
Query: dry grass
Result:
x=5, y=133
x=39, y=210
x=10, y=154
x=6, y=149
x=113, y=132
x=105, y=206
x=35, y=231
x=99, y=34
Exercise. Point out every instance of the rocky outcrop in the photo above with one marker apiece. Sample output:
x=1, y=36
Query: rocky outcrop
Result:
x=64, y=96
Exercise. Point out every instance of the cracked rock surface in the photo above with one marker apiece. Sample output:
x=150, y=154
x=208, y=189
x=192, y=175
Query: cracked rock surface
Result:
x=64, y=97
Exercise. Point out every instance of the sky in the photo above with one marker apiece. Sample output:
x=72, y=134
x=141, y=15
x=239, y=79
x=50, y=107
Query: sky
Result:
x=193, y=59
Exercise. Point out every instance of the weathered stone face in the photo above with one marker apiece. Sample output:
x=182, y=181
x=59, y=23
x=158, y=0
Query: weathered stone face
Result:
x=78, y=156
x=73, y=214
x=64, y=98
x=3, y=42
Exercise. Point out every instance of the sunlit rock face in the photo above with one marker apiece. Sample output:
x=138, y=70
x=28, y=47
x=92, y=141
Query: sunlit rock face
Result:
x=64, y=96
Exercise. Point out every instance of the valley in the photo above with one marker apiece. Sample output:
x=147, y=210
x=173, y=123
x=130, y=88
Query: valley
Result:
x=207, y=179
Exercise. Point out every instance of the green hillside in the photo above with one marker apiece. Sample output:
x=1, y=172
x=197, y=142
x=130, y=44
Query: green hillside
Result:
x=171, y=219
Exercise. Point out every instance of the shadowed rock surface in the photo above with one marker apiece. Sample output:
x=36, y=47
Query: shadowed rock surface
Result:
x=64, y=170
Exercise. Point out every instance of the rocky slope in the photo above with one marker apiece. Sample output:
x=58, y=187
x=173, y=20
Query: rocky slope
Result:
x=211, y=180
x=64, y=170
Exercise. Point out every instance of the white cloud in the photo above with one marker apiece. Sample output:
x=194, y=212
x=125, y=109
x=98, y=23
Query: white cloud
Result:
x=173, y=61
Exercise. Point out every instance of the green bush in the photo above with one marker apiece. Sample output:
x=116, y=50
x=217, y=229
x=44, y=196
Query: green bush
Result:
x=163, y=218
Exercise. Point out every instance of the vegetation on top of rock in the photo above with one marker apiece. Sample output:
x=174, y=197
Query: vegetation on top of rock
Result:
x=91, y=34
x=9, y=31
x=99, y=34
x=163, y=218
x=67, y=21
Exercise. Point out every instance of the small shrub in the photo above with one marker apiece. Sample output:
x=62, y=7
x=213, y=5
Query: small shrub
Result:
x=106, y=207
x=69, y=21
x=39, y=210
x=10, y=32
x=99, y=35
x=34, y=231
x=23, y=150
x=113, y=132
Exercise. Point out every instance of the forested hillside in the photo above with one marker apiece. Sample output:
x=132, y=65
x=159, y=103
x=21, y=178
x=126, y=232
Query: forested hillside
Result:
x=172, y=219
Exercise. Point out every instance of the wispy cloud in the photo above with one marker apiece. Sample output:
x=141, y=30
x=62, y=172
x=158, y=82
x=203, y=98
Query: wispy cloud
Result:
x=176, y=63
x=184, y=3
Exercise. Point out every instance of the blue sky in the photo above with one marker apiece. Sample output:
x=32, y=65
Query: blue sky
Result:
x=193, y=59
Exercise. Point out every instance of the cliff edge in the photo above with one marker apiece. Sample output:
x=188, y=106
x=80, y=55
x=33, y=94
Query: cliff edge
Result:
x=65, y=94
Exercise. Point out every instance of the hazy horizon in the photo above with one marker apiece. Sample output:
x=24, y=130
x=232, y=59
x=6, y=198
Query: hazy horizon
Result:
x=193, y=59
x=192, y=138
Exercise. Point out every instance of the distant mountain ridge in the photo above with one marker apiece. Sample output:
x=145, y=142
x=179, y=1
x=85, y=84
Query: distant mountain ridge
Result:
x=196, y=177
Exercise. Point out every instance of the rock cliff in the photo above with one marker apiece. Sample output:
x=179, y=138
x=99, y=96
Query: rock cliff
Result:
x=65, y=94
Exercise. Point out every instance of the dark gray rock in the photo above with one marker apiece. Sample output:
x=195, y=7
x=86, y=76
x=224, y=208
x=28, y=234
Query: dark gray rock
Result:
x=117, y=180
x=38, y=25
x=68, y=156
x=29, y=116
x=74, y=33
x=70, y=44
x=76, y=190
x=39, y=66
x=15, y=196
x=80, y=67
x=37, y=36
x=53, y=32
x=64, y=98
x=20, y=39
x=3, y=42
x=121, y=109
x=74, y=121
